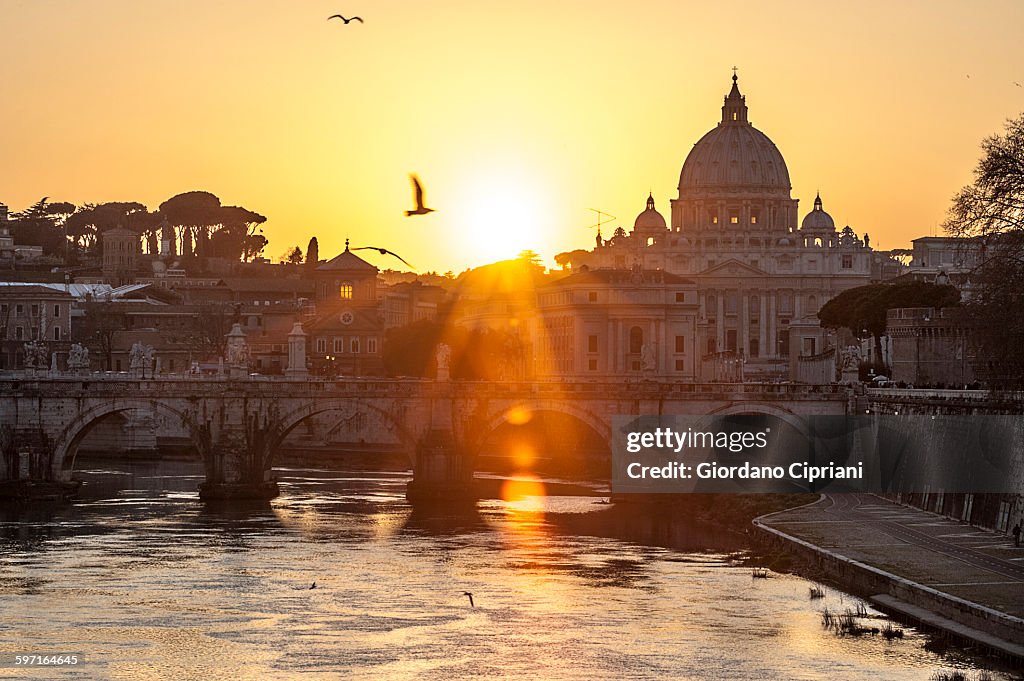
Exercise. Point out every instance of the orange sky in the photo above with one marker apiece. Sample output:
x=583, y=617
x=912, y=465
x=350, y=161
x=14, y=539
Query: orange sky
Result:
x=518, y=116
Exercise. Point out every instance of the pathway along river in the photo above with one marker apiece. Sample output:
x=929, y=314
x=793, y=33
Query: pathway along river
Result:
x=146, y=582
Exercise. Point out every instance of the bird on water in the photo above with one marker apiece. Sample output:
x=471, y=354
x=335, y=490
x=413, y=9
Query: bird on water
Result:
x=467, y=593
x=347, y=21
x=418, y=195
x=383, y=251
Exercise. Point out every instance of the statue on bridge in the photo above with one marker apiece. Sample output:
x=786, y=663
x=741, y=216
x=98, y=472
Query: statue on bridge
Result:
x=849, y=365
x=237, y=353
x=36, y=355
x=444, y=358
x=78, y=358
x=140, y=358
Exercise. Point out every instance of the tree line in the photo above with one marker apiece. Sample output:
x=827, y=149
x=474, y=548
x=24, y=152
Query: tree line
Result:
x=189, y=225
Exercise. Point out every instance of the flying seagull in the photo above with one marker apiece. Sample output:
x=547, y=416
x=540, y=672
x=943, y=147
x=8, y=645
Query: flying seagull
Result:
x=466, y=593
x=383, y=251
x=418, y=190
x=347, y=21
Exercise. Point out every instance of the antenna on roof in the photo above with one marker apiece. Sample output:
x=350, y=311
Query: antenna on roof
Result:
x=602, y=218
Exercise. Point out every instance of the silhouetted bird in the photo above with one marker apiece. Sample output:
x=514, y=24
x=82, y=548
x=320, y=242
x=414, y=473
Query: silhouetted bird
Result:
x=1016, y=83
x=418, y=191
x=383, y=251
x=347, y=21
x=313, y=585
x=466, y=593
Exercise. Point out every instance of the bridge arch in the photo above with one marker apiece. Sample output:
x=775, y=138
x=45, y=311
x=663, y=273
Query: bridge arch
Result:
x=555, y=437
x=292, y=419
x=65, y=445
x=764, y=409
x=501, y=415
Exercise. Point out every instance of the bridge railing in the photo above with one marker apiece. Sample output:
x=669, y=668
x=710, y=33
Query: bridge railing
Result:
x=119, y=384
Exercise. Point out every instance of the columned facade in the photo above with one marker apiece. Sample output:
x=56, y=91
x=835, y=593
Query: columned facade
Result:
x=761, y=277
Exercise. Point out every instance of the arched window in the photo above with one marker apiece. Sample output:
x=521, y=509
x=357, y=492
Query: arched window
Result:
x=636, y=340
x=345, y=290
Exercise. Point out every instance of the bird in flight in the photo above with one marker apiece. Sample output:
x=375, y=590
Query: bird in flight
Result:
x=313, y=585
x=347, y=21
x=418, y=191
x=467, y=593
x=383, y=251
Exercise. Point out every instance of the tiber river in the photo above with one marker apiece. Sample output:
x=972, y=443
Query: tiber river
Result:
x=145, y=582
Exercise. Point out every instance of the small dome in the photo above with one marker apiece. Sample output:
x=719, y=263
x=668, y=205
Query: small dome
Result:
x=650, y=219
x=818, y=220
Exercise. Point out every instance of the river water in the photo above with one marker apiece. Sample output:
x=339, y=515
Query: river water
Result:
x=145, y=582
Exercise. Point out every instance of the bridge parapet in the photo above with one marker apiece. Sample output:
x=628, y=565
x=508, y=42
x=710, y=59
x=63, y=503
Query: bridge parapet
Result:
x=934, y=401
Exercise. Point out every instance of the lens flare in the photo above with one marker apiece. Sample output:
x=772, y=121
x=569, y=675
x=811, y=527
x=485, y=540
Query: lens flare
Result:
x=519, y=415
x=524, y=494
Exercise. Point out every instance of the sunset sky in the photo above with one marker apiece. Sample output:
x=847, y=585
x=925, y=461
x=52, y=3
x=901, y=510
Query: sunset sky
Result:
x=517, y=116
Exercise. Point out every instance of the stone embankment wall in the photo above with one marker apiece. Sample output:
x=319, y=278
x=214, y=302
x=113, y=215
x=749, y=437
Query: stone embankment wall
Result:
x=869, y=581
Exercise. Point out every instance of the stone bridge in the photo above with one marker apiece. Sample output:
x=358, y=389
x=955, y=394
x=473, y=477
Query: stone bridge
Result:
x=237, y=426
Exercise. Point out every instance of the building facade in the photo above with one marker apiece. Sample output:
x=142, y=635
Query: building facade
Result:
x=761, y=275
x=346, y=335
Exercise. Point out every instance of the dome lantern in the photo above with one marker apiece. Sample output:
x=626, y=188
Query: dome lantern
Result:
x=734, y=110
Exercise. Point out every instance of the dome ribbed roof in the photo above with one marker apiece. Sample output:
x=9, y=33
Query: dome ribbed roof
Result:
x=735, y=156
x=818, y=220
x=650, y=219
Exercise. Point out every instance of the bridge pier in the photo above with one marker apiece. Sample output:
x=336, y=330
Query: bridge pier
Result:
x=26, y=468
x=442, y=473
x=236, y=463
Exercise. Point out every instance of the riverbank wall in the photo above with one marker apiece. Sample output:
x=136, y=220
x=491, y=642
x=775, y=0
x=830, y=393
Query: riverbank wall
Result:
x=999, y=632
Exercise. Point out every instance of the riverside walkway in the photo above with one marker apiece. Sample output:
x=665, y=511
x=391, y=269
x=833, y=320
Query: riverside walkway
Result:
x=942, y=572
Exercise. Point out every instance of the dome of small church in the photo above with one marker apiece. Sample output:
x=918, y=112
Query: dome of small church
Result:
x=650, y=219
x=734, y=156
x=818, y=220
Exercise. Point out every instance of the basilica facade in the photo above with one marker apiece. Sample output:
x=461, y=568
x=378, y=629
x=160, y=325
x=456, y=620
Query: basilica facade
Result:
x=760, y=272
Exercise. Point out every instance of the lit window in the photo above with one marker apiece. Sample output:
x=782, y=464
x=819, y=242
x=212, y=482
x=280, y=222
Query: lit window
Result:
x=753, y=219
x=345, y=290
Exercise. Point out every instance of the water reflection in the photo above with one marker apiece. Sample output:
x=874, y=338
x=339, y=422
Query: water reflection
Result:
x=152, y=584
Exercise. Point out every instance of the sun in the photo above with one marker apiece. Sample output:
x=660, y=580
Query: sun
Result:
x=498, y=216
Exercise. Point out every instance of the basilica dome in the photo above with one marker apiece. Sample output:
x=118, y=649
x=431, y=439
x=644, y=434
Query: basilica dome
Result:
x=734, y=156
x=818, y=220
x=650, y=219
